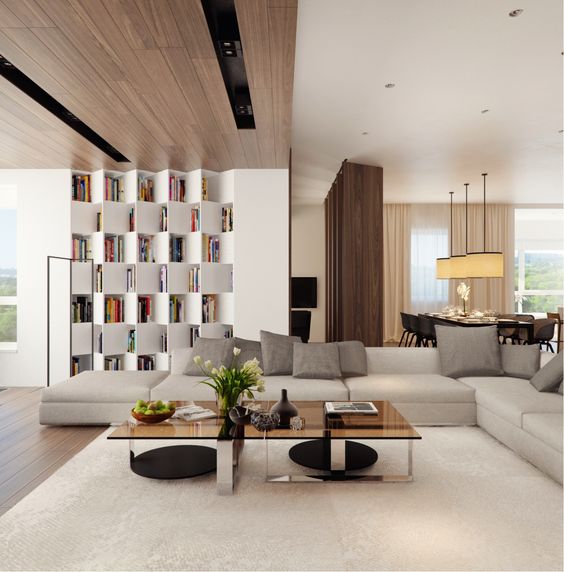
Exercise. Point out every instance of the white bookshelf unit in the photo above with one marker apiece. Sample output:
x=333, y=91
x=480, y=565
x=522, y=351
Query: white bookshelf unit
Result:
x=163, y=250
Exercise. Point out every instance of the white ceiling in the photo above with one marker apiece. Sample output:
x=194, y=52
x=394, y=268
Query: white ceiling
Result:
x=449, y=60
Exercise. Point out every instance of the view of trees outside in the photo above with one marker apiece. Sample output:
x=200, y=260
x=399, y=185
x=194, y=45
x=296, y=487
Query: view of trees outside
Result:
x=8, y=275
x=543, y=271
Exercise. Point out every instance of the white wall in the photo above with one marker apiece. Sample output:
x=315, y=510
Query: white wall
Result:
x=308, y=258
x=43, y=229
x=261, y=275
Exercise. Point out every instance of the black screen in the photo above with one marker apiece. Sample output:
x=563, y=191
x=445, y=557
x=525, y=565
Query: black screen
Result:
x=304, y=292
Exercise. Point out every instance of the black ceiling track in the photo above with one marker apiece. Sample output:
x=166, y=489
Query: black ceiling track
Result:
x=10, y=72
x=224, y=29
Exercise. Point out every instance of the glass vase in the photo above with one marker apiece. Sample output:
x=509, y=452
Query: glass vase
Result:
x=226, y=402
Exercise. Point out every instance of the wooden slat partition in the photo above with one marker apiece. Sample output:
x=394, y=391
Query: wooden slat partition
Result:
x=354, y=255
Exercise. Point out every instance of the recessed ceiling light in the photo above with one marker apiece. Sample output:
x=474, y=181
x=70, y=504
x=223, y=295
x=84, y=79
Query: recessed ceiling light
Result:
x=364, y=133
x=390, y=85
x=515, y=13
x=561, y=131
x=484, y=111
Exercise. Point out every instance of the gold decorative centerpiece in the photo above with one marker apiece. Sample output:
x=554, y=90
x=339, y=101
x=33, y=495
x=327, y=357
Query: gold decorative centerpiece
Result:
x=232, y=384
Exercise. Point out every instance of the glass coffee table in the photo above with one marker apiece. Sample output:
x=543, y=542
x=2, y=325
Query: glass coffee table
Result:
x=328, y=445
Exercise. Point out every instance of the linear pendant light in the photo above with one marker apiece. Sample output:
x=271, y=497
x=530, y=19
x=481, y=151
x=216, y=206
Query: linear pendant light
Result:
x=454, y=265
x=458, y=264
x=484, y=264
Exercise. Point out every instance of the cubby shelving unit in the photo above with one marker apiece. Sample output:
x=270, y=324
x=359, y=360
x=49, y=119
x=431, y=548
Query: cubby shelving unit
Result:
x=162, y=246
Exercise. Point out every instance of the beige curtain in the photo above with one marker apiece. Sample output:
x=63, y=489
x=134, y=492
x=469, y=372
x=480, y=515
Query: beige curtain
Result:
x=397, y=246
x=486, y=293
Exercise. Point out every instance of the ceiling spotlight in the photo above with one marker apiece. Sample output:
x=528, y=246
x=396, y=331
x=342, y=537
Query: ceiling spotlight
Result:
x=561, y=131
x=366, y=133
x=390, y=85
x=515, y=13
x=484, y=111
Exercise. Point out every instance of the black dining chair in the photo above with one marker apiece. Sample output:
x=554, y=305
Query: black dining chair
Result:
x=407, y=331
x=414, y=327
x=426, y=333
x=543, y=332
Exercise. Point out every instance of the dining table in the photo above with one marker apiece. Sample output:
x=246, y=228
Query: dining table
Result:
x=471, y=322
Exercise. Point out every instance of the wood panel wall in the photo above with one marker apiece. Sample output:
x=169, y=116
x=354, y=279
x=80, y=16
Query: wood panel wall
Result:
x=355, y=255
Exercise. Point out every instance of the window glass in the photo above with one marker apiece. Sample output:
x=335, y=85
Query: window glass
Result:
x=8, y=268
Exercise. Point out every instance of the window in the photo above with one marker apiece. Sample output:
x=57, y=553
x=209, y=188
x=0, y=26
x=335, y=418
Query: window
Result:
x=539, y=260
x=429, y=241
x=8, y=265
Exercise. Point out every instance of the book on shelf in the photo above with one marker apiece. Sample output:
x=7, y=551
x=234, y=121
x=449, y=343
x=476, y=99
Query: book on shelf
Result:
x=145, y=190
x=81, y=248
x=176, y=189
x=194, y=334
x=131, y=219
x=163, y=218
x=227, y=219
x=81, y=189
x=112, y=363
x=98, y=221
x=99, y=278
x=228, y=333
x=177, y=249
x=210, y=247
x=164, y=342
x=146, y=363
x=146, y=249
x=194, y=279
x=209, y=308
x=144, y=309
x=81, y=310
x=132, y=341
x=195, y=219
x=113, y=248
x=176, y=310
x=75, y=366
x=130, y=280
x=114, y=189
x=204, y=188
x=113, y=310
x=163, y=278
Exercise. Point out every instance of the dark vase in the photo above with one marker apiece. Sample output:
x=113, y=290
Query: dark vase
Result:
x=286, y=409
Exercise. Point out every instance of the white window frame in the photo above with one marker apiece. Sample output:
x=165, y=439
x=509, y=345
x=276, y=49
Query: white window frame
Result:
x=9, y=191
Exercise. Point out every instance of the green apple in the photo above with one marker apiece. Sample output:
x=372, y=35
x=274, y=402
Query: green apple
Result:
x=149, y=412
x=159, y=404
x=171, y=405
x=140, y=403
x=152, y=406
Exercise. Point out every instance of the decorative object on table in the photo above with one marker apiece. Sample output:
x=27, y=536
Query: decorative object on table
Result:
x=153, y=411
x=194, y=413
x=463, y=290
x=297, y=423
x=285, y=408
x=265, y=420
x=240, y=415
x=232, y=384
x=351, y=407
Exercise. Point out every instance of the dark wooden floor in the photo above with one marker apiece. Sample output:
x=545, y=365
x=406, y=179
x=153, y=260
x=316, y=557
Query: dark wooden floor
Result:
x=30, y=453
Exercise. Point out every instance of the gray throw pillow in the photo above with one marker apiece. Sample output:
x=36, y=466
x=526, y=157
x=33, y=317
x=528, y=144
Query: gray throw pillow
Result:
x=352, y=358
x=181, y=358
x=549, y=377
x=249, y=349
x=466, y=352
x=218, y=350
x=277, y=353
x=316, y=361
x=520, y=361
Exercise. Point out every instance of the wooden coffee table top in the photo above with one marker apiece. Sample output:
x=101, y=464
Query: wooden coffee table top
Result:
x=388, y=424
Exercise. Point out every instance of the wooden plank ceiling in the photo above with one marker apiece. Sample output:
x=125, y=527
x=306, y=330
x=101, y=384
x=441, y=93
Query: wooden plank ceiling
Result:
x=144, y=75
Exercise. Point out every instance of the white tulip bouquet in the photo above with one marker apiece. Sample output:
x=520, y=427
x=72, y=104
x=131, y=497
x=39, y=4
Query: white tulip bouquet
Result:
x=232, y=383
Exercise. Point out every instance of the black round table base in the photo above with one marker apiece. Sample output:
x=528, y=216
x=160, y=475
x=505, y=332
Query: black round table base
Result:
x=317, y=455
x=175, y=462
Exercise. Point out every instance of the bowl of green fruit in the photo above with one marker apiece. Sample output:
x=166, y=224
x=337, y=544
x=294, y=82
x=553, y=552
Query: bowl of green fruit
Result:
x=153, y=411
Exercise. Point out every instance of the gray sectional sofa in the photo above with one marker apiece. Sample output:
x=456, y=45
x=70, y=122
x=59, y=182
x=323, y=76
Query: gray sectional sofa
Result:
x=510, y=409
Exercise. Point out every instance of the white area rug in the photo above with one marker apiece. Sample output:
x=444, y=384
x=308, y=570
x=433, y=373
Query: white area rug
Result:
x=473, y=506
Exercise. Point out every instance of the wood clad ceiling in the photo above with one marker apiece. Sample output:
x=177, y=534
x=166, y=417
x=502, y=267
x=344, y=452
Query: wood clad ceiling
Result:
x=144, y=75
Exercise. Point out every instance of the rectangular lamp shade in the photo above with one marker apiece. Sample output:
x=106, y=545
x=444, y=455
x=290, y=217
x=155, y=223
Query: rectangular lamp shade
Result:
x=484, y=265
x=453, y=267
